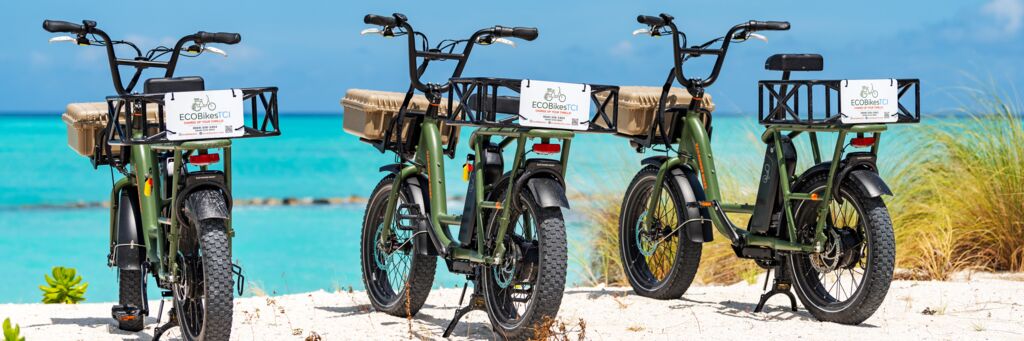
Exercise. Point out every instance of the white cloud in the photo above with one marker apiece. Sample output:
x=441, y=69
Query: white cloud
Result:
x=1008, y=13
x=623, y=48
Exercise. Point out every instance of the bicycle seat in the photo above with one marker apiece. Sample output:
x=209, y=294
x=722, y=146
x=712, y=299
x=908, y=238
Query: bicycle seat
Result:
x=795, y=62
x=177, y=84
x=505, y=104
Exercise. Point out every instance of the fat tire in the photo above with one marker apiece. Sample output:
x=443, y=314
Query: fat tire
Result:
x=132, y=291
x=548, y=291
x=218, y=278
x=882, y=257
x=420, y=279
x=688, y=253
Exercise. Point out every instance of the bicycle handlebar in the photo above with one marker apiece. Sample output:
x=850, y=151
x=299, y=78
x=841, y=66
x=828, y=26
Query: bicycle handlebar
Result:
x=650, y=20
x=524, y=33
x=57, y=26
x=140, y=62
x=681, y=53
x=380, y=20
x=398, y=20
x=219, y=37
x=768, y=25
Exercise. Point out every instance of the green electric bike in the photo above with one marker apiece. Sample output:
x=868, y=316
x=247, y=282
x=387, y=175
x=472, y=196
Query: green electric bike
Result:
x=511, y=242
x=826, y=230
x=170, y=213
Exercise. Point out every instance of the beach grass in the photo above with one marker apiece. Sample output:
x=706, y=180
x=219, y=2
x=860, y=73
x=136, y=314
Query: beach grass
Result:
x=959, y=197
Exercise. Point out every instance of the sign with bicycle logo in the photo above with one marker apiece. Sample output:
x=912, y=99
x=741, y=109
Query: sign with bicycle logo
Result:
x=869, y=101
x=554, y=105
x=210, y=114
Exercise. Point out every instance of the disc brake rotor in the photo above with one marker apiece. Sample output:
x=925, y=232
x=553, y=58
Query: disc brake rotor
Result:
x=647, y=238
x=505, y=273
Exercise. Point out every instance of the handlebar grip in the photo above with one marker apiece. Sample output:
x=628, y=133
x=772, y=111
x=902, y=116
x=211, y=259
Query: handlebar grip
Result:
x=768, y=25
x=524, y=33
x=219, y=37
x=57, y=26
x=380, y=20
x=650, y=20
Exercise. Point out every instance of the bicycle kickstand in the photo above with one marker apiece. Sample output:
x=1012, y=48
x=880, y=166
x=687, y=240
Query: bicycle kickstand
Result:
x=476, y=302
x=171, y=323
x=780, y=285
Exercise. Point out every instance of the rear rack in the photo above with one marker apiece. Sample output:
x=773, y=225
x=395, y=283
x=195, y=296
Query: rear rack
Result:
x=791, y=102
x=465, y=90
x=259, y=123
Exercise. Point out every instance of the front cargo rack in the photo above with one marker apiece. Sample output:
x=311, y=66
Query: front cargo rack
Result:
x=792, y=102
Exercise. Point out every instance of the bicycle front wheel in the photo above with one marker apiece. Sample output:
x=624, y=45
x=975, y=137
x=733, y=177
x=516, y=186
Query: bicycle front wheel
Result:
x=657, y=259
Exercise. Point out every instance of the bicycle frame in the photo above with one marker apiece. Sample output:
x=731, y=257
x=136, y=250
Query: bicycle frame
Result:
x=430, y=153
x=695, y=152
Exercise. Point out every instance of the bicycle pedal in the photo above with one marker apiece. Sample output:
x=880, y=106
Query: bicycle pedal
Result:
x=125, y=313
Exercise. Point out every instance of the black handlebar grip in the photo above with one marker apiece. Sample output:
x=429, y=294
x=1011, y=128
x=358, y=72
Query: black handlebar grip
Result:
x=57, y=26
x=380, y=20
x=219, y=37
x=524, y=33
x=650, y=20
x=768, y=25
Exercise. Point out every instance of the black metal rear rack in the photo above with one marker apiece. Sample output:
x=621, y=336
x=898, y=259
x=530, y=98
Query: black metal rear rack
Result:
x=471, y=103
x=261, y=117
x=792, y=102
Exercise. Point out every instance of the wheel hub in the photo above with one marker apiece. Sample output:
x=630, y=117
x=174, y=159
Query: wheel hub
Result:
x=648, y=238
x=505, y=272
x=842, y=250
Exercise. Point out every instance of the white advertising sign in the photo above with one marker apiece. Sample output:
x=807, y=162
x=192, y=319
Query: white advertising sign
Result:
x=554, y=105
x=869, y=101
x=195, y=115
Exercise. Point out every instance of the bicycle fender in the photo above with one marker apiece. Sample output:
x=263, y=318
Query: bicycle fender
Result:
x=870, y=181
x=426, y=244
x=692, y=191
x=548, y=192
x=129, y=252
x=206, y=203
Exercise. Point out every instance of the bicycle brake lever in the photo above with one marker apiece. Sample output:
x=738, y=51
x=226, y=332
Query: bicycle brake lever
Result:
x=642, y=31
x=215, y=51
x=758, y=37
x=63, y=39
x=504, y=41
x=372, y=30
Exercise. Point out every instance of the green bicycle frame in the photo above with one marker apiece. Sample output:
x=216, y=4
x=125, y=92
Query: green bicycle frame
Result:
x=429, y=154
x=144, y=168
x=695, y=151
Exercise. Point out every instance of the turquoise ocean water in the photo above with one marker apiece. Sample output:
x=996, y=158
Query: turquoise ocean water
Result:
x=282, y=249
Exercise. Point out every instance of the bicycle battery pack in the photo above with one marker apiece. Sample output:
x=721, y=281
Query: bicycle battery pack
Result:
x=768, y=207
x=493, y=166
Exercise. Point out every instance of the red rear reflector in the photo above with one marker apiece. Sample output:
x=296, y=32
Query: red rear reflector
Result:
x=546, y=148
x=861, y=142
x=203, y=160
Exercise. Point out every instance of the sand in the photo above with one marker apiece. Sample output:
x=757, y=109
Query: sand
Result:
x=982, y=307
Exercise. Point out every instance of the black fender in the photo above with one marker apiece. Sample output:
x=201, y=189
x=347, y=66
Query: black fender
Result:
x=690, y=189
x=129, y=252
x=543, y=177
x=426, y=244
x=204, y=196
x=857, y=168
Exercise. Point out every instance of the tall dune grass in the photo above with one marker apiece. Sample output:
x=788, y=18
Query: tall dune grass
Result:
x=958, y=205
x=960, y=198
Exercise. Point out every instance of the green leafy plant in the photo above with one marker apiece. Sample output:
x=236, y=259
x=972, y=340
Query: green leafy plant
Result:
x=12, y=334
x=64, y=287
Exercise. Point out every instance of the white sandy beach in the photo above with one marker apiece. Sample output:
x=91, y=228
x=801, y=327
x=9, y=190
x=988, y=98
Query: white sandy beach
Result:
x=987, y=307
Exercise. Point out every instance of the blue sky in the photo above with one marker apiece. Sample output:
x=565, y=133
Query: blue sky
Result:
x=313, y=52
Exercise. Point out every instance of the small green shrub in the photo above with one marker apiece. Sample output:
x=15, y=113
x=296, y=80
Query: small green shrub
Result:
x=12, y=334
x=64, y=287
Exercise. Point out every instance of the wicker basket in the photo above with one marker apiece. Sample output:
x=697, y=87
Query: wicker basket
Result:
x=85, y=121
x=368, y=113
x=638, y=106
